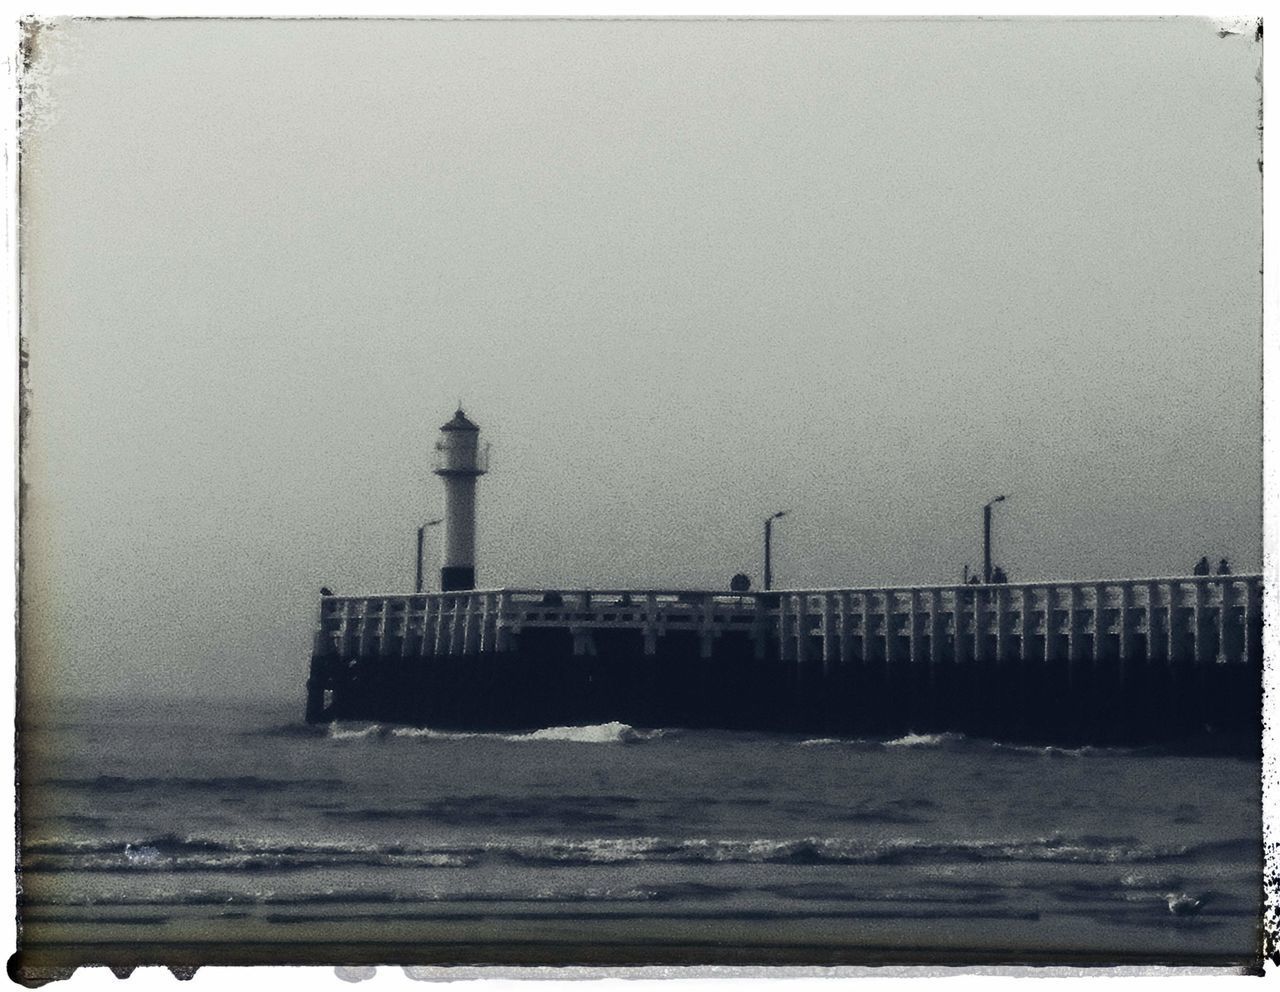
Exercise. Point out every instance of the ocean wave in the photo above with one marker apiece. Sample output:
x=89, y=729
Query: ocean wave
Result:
x=952, y=741
x=340, y=733
x=677, y=891
x=910, y=740
x=600, y=733
x=616, y=732
x=842, y=850
x=435, y=735
x=926, y=740
x=172, y=853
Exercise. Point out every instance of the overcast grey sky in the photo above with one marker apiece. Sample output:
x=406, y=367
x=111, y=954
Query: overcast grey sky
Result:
x=681, y=273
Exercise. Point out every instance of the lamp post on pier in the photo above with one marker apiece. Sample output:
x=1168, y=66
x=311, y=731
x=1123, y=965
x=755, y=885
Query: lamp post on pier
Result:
x=422, y=532
x=768, y=548
x=986, y=538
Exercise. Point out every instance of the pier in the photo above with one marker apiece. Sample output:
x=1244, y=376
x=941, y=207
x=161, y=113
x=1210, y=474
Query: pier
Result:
x=1107, y=661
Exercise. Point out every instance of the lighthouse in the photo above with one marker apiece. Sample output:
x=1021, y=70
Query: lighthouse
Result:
x=460, y=461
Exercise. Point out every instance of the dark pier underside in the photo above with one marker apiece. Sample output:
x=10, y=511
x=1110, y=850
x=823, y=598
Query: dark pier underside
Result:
x=543, y=682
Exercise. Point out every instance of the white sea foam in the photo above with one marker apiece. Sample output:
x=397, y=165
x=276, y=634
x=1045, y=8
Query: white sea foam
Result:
x=344, y=734
x=143, y=855
x=957, y=740
x=924, y=740
x=440, y=735
x=601, y=733
x=178, y=854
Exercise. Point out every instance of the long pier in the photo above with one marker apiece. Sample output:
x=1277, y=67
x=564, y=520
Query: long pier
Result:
x=1109, y=661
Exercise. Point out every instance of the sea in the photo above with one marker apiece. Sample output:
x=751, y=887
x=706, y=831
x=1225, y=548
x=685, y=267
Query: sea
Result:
x=158, y=824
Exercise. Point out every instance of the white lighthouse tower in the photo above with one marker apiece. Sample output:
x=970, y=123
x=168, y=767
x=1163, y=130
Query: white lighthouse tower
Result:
x=460, y=461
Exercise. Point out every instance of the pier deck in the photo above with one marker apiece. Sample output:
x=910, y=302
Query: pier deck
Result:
x=930, y=657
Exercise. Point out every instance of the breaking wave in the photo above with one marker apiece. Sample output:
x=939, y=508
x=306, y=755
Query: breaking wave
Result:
x=171, y=853
x=600, y=733
x=616, y=732
x=339, y=733
x=961, y=742
x=925, y=740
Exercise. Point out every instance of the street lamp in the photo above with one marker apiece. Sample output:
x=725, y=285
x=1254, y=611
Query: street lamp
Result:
x=768, y=549
x=986, y=538
x=417, y=581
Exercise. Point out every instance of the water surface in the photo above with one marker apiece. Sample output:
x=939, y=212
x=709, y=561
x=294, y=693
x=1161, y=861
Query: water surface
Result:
x=235, y=825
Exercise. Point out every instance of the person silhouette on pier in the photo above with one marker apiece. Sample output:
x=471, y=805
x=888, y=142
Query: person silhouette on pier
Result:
x=998, y=577
x=1224, y=567
x=1202, y=566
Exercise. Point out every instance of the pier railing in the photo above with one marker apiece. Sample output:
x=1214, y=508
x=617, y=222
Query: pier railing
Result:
x=1200, y=620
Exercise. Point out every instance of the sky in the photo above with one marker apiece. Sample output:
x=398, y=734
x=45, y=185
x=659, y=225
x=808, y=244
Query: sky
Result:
x=682, y=273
